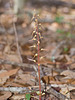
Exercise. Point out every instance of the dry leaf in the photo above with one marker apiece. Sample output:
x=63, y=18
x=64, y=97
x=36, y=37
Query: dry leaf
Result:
x=8, y=73
x=3, y=79
x=73, y=82
x=12, y=57
x=6, y=20
x=5, y=95
x=53, y=27
x=72, y=93
x=7, y=49
x=72, y=66
x=66, y=90
x=46, y=60
x=18, y=97
x=68, y=73
x=68, y=80
x=48, y=79
x=26, y=78
x=4, y=75
x=12, y=84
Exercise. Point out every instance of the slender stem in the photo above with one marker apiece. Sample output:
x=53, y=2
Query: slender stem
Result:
x=38, y=64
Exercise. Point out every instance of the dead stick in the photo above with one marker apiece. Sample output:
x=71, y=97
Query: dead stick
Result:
x=15, y=63
x=21, y=89
x=34, y=88
x=57, y=94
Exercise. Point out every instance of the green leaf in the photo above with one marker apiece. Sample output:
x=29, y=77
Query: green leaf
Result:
x=65, y=49
x=28, y=96
x=59, y=19
x=59, y=31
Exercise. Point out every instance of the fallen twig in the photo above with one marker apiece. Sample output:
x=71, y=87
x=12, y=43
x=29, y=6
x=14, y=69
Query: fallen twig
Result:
x=15, y=63
x=32, y=89
x=17, y=40
x=21, y=89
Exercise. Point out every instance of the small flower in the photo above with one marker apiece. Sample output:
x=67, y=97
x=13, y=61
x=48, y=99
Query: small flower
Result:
x=33, y=46
x=36, y=55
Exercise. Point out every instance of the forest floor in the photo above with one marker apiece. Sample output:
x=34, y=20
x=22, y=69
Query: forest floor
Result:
x=57, y=64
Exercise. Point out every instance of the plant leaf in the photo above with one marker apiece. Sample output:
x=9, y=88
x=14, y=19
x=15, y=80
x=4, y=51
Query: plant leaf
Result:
x=28, y=96
x=59, y=19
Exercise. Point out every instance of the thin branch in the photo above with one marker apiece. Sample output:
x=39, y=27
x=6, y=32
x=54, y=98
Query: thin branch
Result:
x=15, y=63
x=17, y=42
x=22, y=90
x=16, y=36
